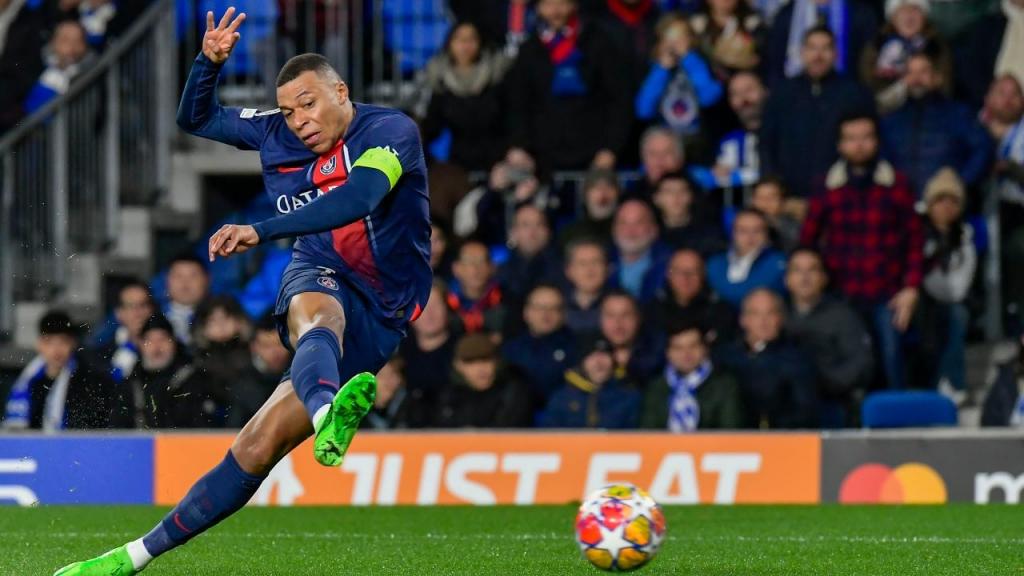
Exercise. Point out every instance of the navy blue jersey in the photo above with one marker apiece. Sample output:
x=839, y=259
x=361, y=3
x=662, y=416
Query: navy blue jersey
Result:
x=384, y=254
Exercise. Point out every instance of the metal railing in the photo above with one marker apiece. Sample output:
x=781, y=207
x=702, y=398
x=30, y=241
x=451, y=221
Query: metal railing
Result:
x=376, y=45
x=69, y=166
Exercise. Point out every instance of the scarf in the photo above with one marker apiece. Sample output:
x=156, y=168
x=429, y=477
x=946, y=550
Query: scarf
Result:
x=630, y=14
x=1011, y=54
x=18, y=411
x=95, y=20
x=472, y=313
x=739, y=266
x=125, y=356
x=443, y=75
x=565, y=56
x=679, y=105
x=1011, y=148
x=180, y=317
x=805, y=17
x=684, y=411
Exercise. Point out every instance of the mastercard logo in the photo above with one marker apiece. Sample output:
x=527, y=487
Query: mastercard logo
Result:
x=911, y=483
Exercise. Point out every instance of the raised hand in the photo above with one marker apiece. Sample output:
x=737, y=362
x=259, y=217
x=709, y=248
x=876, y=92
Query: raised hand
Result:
x=220, y=41
x=232, y=239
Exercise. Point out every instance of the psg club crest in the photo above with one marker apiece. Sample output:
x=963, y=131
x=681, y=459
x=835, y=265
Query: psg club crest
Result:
x=328, y=282
x=327, y=168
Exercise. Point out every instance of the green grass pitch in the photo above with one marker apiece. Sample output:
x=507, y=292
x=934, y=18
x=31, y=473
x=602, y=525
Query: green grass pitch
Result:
x=757, y=540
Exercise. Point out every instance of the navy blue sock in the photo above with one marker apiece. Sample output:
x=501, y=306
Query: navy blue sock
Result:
x=315, y=369
x=219, y=494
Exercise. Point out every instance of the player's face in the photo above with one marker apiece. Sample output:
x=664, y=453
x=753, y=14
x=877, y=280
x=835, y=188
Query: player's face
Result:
x=619, y=321
x=818, y=55
x=685, y=272
x=858, y=143
x=543, y=313
x=315, y=110
x=761, y=318
x=134, y=309
x=686, y=351
x=805, y=277
x=588, y=268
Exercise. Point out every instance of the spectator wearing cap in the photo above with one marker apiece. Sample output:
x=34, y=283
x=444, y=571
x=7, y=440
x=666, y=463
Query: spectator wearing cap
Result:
x=833, y=335
x=776, y=378
x=591, y=396
x=475, y=296
x=567, y=92
x=60, y=389
x=686, y=300
x=637, y=353
x=950, y=260
x=586, y=269
x=532, y=261
x=428, y=353
x=269, y=360
x=391, y=406
x=801, y=117
x=693, y=393
x=907, y=31
x=769, y=198
x=680, y=84
x=134, y=307
x=601, y=193
x=750, y=262
x=931, y=130
x=547, y=349
x=864, y=225
x=638, y=258
x=682, y=225
x=166, y=390
x=852, y=22
x=482, y=393
x=188, y=284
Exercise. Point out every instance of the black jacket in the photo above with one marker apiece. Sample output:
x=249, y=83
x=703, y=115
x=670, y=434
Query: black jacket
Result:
x=564, y=132
x=178, y=396
x=91, y=402
x=21, y=63
x=505, y=405
x=476, y=123
x=777, y=384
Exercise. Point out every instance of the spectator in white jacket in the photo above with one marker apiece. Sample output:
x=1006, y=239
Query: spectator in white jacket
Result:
x=950, y=262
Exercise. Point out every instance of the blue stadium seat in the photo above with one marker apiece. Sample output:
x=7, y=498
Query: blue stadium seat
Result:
x=908, y=410
x=415, y=30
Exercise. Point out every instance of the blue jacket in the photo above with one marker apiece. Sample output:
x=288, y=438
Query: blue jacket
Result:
x=777, y=384
x=925, y=135
x=706, y=88
x=766, y=272
x=542, y=360
x=653, y=279
x=581, y=404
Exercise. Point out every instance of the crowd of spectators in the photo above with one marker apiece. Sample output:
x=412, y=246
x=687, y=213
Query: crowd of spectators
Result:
x=797, y=233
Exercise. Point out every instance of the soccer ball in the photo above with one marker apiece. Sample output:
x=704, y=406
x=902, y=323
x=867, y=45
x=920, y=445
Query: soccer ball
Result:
x=619, y=528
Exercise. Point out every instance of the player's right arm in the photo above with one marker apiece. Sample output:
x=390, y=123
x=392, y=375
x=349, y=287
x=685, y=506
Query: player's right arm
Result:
x=200, y=113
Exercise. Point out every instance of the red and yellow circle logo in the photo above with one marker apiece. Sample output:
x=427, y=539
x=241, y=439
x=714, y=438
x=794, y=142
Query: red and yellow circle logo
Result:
x=910, y=483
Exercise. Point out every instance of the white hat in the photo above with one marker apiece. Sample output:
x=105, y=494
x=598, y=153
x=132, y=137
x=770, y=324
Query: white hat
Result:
x=894, y=5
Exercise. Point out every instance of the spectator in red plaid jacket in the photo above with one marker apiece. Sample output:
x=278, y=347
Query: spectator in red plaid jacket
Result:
x=863, y=221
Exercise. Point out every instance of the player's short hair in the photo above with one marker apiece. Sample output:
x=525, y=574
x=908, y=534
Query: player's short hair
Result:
x=308, y=62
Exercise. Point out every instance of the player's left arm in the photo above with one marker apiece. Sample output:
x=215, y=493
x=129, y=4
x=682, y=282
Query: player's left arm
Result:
x=374, y=174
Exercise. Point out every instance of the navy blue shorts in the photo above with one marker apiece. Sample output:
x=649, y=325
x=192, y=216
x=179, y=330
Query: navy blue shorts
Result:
x=368, y=343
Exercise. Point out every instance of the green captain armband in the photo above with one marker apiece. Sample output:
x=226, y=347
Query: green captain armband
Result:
x=382, y=159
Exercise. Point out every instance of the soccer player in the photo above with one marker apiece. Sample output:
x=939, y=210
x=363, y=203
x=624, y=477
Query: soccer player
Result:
x=349, y=181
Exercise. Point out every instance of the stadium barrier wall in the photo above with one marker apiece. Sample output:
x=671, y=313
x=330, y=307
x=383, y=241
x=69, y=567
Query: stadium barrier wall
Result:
x=534, y=468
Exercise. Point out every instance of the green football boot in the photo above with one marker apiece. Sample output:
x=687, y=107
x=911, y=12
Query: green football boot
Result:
x=337, y=427
x=113, y=563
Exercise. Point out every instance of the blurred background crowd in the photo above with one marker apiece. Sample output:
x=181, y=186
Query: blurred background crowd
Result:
x=674, y=215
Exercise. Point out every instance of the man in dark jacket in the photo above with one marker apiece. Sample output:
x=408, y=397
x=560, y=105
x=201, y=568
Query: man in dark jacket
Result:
x=801, y=118
x=20, y=56
x=931, y=131
x=269, y=360
x=776, y=378
x=686, y=300
x=166, y=390
x=568, y=97
x=693, y=393
x=427, y=354
x=638, y=353
x=833, y=335
x=586, y=269
x=547, y=348
x=532, y=261
x=482, y=393
x=638, y=255
x=60, y=389
x=852, y=21
x=591, y=396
